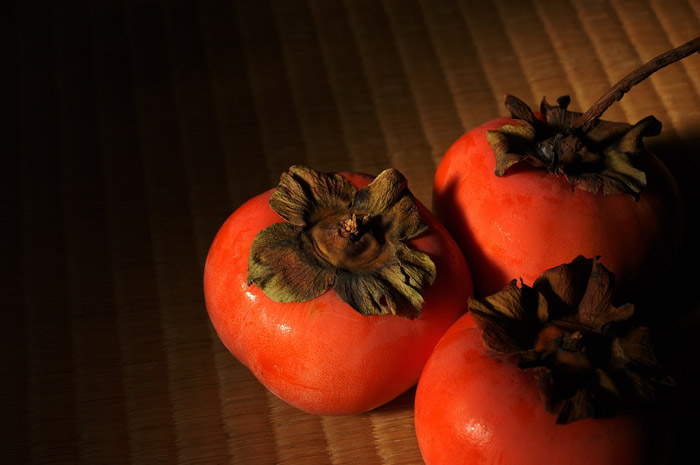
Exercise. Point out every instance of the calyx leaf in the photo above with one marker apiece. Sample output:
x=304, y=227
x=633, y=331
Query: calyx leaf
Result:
x=337, y=236
x=602, y=159
x=588, y=357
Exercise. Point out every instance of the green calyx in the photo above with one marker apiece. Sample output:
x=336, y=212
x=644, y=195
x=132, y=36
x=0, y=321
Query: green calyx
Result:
x=602, y=159
x=336, y=236
x=589, y=359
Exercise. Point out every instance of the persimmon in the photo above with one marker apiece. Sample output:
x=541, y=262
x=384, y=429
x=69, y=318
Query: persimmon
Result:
x=524, y=193
x=333, y=289
x=553, y=373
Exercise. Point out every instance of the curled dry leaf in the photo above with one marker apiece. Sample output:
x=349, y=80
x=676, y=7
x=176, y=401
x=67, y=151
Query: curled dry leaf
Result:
x=588, y=357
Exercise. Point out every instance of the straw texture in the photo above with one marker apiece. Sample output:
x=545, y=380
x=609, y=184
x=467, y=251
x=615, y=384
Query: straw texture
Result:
x=133, y=128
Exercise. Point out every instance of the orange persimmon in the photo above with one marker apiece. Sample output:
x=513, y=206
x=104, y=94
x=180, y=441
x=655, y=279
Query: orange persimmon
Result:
x=351, y=343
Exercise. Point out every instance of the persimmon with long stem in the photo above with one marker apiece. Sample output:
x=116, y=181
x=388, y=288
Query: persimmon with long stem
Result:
x=524, y=193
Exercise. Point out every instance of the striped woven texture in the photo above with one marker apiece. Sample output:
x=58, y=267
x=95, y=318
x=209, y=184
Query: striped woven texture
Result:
x=133, y=128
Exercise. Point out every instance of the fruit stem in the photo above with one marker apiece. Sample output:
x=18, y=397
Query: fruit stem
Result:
x=348, y=228
x=585, y=121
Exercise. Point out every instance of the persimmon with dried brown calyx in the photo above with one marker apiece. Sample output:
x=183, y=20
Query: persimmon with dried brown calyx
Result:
x=525, y=193
x=334, y=288
x=553, y=373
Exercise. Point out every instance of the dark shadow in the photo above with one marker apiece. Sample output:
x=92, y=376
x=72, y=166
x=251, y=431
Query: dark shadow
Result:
x=676, y=293
x=678, y=297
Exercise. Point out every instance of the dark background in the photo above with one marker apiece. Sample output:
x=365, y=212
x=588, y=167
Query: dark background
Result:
x=131, y=129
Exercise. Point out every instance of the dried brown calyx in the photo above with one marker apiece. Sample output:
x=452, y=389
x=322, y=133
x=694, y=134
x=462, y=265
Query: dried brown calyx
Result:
x=597, y=156
x=351, y=240
x=603, y=159
x=588, y=358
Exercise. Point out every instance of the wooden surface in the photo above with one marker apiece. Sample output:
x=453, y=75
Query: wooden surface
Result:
x=132, y=129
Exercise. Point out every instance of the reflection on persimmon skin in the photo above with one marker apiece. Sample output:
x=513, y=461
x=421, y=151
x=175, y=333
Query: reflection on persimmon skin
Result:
x=284, y=328
x=252, y=298
x=478, y=432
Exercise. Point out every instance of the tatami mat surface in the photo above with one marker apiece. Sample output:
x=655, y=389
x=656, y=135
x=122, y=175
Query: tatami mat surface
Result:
x=133, y=128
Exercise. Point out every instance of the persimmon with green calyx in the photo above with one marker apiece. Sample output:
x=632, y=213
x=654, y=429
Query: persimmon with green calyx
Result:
x=553, y=373
x=333, y=289
x=525, y=193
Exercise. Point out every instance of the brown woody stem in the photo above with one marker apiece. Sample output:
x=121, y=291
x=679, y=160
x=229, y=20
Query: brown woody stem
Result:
x=584, y=122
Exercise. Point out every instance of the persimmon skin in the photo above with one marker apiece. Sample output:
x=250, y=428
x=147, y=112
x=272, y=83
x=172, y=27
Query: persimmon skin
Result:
x=474, y=408
x=321, y=356
x=528, y=221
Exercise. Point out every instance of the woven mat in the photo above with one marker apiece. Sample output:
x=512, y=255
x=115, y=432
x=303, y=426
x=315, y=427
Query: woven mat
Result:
x=134, y=128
